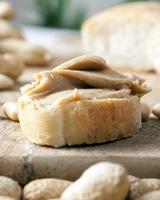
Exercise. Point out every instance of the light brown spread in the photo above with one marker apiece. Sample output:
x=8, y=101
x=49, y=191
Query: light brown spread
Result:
x=89, y=75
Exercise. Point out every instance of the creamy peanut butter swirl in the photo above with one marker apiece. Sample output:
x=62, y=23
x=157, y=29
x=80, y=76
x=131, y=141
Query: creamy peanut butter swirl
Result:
x=90, y=75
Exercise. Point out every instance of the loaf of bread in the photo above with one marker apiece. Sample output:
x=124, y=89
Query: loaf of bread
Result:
x=123, y=34
x=82, y=101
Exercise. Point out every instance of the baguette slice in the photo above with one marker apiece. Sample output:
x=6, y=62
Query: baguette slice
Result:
x=104, y=107
x=120, y=35
x=80, y=122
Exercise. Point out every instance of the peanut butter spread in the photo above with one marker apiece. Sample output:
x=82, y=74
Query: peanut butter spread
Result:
x=85, y=77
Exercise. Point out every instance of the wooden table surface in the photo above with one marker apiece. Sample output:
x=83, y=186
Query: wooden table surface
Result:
x=24, y=161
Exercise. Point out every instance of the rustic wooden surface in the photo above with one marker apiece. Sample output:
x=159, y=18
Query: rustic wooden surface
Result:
x=24, y=161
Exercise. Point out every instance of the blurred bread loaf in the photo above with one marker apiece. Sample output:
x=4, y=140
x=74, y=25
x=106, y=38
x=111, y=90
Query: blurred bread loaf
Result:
x=123, y=35
x=153, y=48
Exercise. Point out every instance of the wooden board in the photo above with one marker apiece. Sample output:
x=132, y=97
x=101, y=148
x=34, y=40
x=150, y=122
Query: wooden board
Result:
x=24, y=161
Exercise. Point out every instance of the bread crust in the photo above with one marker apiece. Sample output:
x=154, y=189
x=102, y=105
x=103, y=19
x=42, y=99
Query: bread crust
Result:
x=80, y=122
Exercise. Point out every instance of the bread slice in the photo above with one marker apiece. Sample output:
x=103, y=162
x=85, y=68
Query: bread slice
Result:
x=120, y=35
x=82, y=101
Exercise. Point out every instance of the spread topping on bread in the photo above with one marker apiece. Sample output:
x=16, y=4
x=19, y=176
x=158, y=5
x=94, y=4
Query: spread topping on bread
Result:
x=85, y=72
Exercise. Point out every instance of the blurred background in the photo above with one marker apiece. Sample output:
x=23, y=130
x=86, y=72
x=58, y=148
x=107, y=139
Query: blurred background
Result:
x=55, y=24
x=59, y=13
